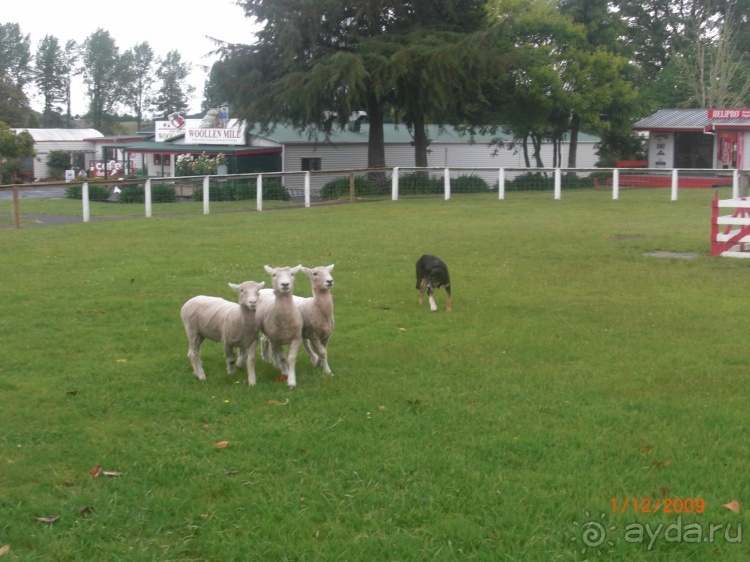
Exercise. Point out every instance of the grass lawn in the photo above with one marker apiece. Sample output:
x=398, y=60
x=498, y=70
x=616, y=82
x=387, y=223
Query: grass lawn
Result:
x=574, y=373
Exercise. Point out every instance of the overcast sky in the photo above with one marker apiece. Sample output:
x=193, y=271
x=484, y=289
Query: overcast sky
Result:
x=165, y=24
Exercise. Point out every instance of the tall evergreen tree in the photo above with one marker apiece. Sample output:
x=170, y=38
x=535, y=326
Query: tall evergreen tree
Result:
x=138, y=63
x=50, y=74
x=15, y=54
x=174, y=92
x=102, y=74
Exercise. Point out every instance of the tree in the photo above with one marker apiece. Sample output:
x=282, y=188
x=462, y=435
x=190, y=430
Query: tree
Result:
x=15, y=54
x=315, y=62
x=14, y=147
x=14, y=106
x=139, y=71
x=50, y=78
x=102, y=73
x=174, y=92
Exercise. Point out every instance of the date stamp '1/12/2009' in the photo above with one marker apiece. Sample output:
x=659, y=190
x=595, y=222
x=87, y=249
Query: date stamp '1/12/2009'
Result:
x=658, y=505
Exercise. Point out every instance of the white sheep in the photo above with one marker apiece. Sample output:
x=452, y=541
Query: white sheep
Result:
x=232, y=324
x=317, y=318
x=280, y=321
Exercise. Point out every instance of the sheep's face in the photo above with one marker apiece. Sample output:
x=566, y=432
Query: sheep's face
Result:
x=320, y=277
x=282, y=278
x=249, y=293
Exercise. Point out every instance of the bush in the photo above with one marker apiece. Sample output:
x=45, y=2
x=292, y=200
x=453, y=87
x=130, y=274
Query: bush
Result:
x=419, y=183
x=338, y=188
x=96, y=192
x=469, y=184
x=160, y=193
x=57, y=162
x=538, y=181
x=242, y=190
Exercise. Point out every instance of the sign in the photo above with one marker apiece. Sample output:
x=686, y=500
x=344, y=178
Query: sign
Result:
x=214, y=128
x=70, y=175
x=729, y=113
x=661, y=150
x=114, y=168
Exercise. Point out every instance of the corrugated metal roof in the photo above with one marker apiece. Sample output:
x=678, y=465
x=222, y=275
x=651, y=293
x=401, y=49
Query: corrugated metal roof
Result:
x=42, y=135
x=685, y=119
x=393, y=133
x=689, y=120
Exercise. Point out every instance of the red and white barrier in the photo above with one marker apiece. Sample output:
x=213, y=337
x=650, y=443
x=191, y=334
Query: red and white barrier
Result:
x=730, y=234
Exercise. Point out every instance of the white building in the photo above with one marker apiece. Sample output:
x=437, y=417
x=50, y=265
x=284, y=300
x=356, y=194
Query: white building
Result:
x=78, y=142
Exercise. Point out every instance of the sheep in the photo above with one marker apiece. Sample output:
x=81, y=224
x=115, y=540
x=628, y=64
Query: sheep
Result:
x=280, y=320
x=219, y=320
x=317, y=318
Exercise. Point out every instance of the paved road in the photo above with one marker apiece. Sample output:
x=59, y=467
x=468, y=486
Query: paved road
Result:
x=36, y=193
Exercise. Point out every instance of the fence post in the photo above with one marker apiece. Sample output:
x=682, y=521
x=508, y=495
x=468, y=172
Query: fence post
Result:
x=558, y=184
x=394, y=184
x=147, y=197
x=501, y=184
x=205, y=195
x=16, y=209
x=307, y=189
x=259, y=192
x=351, y=187
x=447, y=183
x=735, y=184
x=675, y=183
x=85, y=198
x=615, y=184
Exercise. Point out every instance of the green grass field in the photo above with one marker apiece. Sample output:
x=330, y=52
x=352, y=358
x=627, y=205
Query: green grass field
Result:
x=573, y=371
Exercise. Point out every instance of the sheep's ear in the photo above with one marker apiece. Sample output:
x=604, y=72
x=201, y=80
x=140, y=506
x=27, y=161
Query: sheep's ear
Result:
x=234, y=287
x=306, y=270
x=268, y=269
x=330, y=267
x=261, y=285
x=296, y=269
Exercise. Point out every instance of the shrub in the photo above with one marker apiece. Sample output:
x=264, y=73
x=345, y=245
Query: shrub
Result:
x=96, y=192
x=160, y=193
x=419, y=183
x=244, y=189
x=57, y=162
x=469, y=184
x=338, y=188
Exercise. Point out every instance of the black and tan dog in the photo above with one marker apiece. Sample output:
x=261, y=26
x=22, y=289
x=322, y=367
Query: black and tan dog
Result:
x=432, y=273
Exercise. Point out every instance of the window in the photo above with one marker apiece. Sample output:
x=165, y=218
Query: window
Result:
x=311, y=164
x=157, y=159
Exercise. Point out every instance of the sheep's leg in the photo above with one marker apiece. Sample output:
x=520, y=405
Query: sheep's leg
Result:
x=251, y=363
x=194, y=354
x=280, y=356
x=291, y=380
x=322, y=356
x=231, y=359
x=313, y=357
x=241, y=357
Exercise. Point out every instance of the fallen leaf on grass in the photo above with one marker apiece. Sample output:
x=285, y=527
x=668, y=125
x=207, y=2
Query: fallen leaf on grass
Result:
x=4, y=549
x=402, y=329
x=277, y=403
x=96, y=471
x=48, y=519
x=281, y=378
x=86, y=281
x=221, y=444
x=71, y=392
x=664, y=492
x=733, y=506
x=662, y=464
x=111, y=473
x=85, y=509
x=646, y=449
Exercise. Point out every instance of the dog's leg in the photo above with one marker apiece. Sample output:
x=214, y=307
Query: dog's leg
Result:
x=448, y=303
x=422, y=289
x=433, y=306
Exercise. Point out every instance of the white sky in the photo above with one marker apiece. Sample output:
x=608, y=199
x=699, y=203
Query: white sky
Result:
x=165, y=24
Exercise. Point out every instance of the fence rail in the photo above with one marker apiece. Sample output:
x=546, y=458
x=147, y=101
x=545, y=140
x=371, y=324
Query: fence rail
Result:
x=304, y=188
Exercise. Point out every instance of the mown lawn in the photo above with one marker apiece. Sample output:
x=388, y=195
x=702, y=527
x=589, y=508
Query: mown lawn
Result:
x=573, y=371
